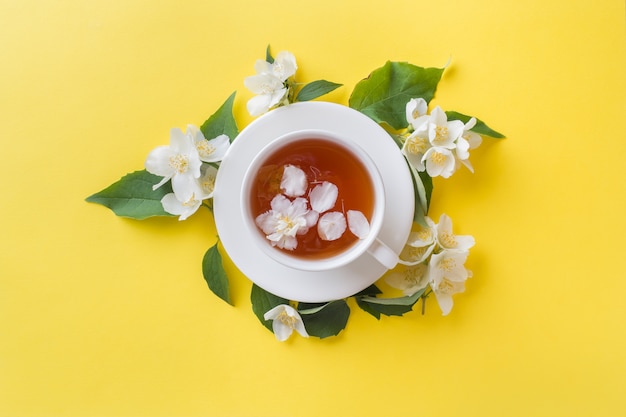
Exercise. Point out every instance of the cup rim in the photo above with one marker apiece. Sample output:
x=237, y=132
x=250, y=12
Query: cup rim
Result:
x=351, y=253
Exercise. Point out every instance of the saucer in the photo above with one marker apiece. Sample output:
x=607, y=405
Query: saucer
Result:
x=274, y=277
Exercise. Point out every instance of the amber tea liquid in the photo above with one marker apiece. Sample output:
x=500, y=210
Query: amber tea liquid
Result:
x=321, y=160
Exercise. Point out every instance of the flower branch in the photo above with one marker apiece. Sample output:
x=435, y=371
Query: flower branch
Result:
x=180, y=177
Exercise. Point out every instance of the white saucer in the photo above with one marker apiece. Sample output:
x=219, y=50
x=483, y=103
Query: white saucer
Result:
x=310, y=286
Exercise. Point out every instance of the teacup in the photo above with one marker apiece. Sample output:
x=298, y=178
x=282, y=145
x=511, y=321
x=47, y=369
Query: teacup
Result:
x=274, y=205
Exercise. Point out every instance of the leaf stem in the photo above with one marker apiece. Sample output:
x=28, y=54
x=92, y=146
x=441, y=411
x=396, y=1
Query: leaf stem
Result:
x=424, y=297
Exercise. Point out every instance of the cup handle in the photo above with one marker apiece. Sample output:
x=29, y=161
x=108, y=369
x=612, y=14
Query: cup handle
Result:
x=383, y=254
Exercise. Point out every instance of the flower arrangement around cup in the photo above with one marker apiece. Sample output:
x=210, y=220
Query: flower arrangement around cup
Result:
x=179, y=178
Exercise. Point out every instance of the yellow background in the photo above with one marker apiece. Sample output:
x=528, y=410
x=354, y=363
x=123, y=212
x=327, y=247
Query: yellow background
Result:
x=103, y=316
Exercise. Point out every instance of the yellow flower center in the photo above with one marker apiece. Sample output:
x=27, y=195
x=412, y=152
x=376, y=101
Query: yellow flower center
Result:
x=205, y=149
x=191, y=201
x=416, y=145
x=208, y=184
x=277, y=69
x=179, y=162
x=424, y=234
x=266, y=89
x=414, y=275
x=286, y=319
x=445, y=286
x=448, y=240
x=447, y=264
x=287, y=224
x=412, y=254
x=438, y=158
x=441, y=134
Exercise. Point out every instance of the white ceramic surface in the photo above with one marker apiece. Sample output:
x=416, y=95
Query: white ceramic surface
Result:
x=352, y=252
x=311, y=286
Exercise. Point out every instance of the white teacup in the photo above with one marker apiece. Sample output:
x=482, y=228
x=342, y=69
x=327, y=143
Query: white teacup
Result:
x=369, y=244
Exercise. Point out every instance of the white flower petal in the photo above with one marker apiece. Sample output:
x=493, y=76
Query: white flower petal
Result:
x=468, y=165
x=311, y=218
x=299, y=327
x=280, y=203
x=299, y=208
x=160, y=183
x=294, y=182
x=258, y=105
x=262, y=67
x=455, y=129
x=157, y=162
x=284, y=221
x=266, y=222
x=212, y=150
x=358, y=224
x=415, y=108
x=285, y=320
x=465, y=242
x=448, y=240
x=283, y=241
x=441, y=133
x=444, y=289
x=277, y=96
x=178, y=140
x=445, y=302
x=194, y=132
x=423, y=236
x=171, y=204
x=470, y=124
x=262, y=84
x=444, y=225
x=331, y=225
x=281, y=331
x=421, y=124
x=288, y=243
x=438, y=116
x=413, y=255
x=323, y=197
x=270, y=91
x=439, y=162
x=473, y=138
x=184, y=186
x=409, y=279
x=462, y=148
x=448, y=264
x=414, y=148
x=182, y=209
x=207, y=180
x=284, y=65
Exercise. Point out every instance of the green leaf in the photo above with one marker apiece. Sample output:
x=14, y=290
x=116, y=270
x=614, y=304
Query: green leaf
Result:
x=481, y=128
x=132, y=196
x=310, y=308
x=371, y=290
x=388, y=306
x=427, y=182
x=222, y=122
x=329, y=320
x=419, y=192
x=262, y=302
x=366, y=307
x=214, y=274
x=384, y=94
x=316, y=89
x=268, y=55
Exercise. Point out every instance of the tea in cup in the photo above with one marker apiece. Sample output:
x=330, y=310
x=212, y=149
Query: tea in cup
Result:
x=313, y=200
